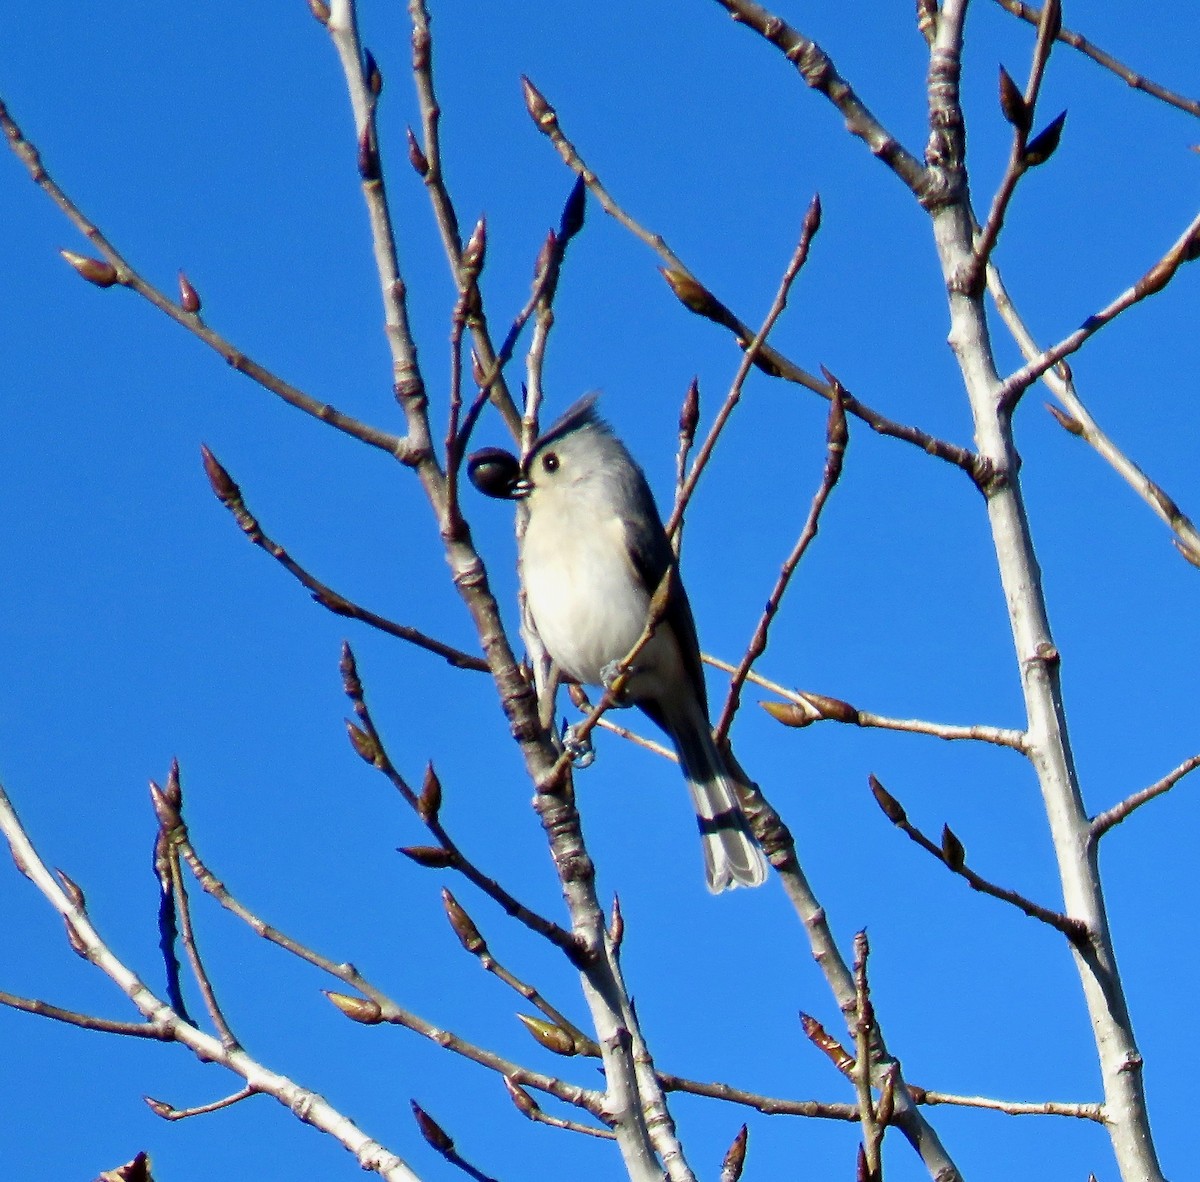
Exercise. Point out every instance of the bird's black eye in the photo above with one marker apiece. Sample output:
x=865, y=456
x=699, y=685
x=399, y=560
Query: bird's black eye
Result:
x=550, y=462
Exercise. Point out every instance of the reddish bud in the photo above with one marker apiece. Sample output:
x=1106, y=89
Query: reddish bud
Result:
x=189, y=297
x=689, y=413
x=320, y=10
x=430, y=800
x=1012, y=103
x=892, y=808
x=364, y=746
x=735, y=1157
x=551, y=1036
x=222, y=483
x=432, y=856
x=416, y=157
x=433, y=1133
x=521, y=1098
x=97, y=271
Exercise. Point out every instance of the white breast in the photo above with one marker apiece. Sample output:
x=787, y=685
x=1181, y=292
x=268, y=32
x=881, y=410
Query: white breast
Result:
x=583, y=593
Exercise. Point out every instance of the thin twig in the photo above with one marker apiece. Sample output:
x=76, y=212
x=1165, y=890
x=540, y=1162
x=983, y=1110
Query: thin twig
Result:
x=1094, y=1112
x=812, y=222
x=473, y=942
x=188, y=934
x=1079, y=421
x=698, y=299
x=1103, y=822
x=317, y=1112
x=836, y=439
x=376, y=753
x=381, y=1008
x=862, y=1024
x=126, y=276
x=817, y=70
x=230, y=495
x=444, y=212
x=805, y=707
x=44, y=1009
x=950, y=853
x=1185, y=249
x=169, y=1112
x=528, y=1106
x=1019, y=110
x=1027, y=12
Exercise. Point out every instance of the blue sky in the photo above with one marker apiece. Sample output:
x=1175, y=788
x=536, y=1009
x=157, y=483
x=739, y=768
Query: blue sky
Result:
x=136, y=624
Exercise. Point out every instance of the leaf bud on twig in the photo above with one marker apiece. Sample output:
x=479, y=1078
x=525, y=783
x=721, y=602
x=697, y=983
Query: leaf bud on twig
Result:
x=892, y=808
x=432, y=856
x=160, y=1108
x=348, y=667
x=357, y=1009
x=320, y=10
x=551, y=1036
x=825, y=1042
x=430, y=801
x=735, y=1157
x=73, y=891
x=692, y=294
x=368, y=154
x=1044, y=144
x=416, y=157
x=464, y=927
x=953, y=853
x=364, y=746
x=475, y=250
x=174, y=790
x=791, y=714
x=433, y=1133
x=689, y=412
x=1013, y=104
x=833, y=709
x=571, y=221
x=616, y=925
x=1065, y=421
x=189, y=297
x=223, y=485
x=521, y=1098
x=542, y=113
x=372, y=73
x=97, y=271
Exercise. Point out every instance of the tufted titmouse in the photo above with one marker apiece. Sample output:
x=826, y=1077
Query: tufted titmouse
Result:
x=593, y=552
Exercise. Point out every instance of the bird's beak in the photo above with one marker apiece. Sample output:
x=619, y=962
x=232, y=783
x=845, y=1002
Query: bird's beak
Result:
x=521, y=489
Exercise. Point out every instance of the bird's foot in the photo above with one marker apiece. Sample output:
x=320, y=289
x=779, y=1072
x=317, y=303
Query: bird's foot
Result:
x=581, y=751
x=615, y=678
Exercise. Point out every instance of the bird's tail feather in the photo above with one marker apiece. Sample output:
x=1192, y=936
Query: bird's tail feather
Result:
x=731, y=855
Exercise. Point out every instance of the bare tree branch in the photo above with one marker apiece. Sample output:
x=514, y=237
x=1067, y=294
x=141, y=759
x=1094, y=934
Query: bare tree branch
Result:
x=317, y=1112
x=122, y=273
x=1079, y=421
x=836, y=439
x=1104, y=821
x=1027, y=12
x=812, y=222
x=1185, y=249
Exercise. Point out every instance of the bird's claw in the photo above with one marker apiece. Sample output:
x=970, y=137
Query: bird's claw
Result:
x=615, y=678
x=580, y=751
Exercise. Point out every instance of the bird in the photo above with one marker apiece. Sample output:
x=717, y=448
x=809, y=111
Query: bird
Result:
x=591, y=556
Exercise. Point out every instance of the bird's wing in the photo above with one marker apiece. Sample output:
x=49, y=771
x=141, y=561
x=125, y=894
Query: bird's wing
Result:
x=651, y=556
